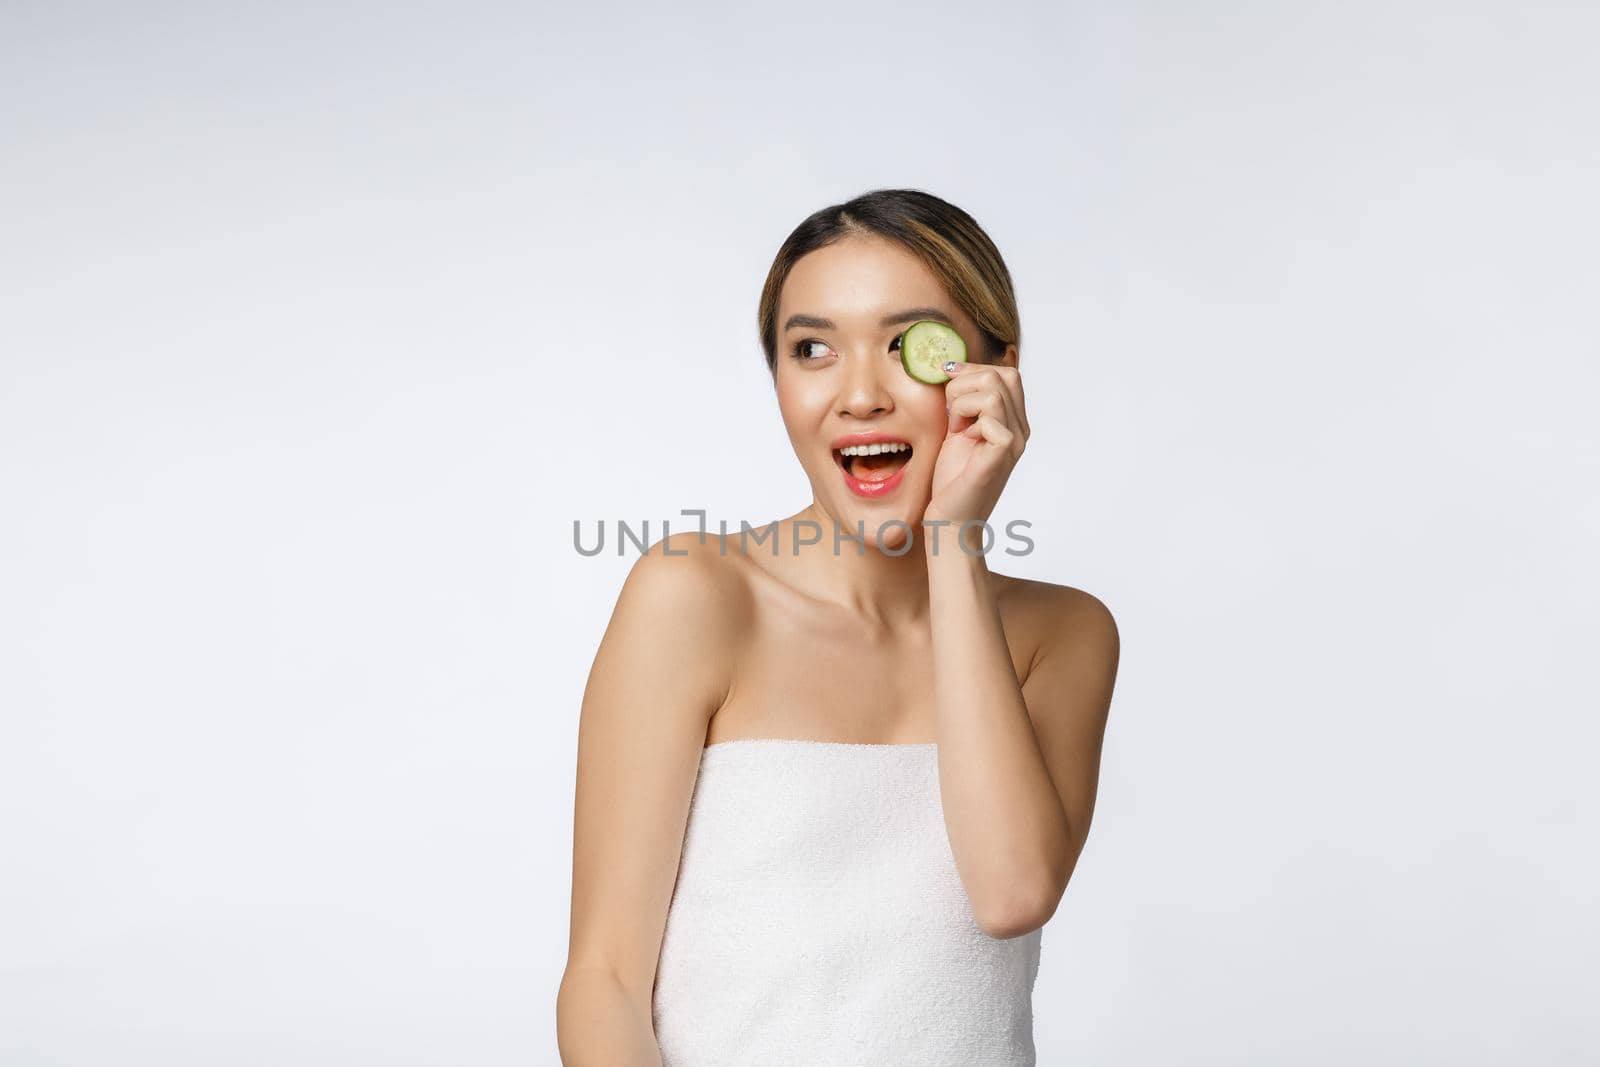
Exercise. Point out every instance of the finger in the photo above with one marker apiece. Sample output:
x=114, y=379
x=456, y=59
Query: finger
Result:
x=973, y=405
x=997, y=433
x=971, y=376
x=987, y=386
x=1007, y=377
x=1011, y=378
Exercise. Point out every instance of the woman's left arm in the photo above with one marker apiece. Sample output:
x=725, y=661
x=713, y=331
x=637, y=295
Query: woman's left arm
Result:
x=1018, y=761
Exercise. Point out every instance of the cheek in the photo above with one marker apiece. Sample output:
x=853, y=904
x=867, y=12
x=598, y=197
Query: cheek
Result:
x=791, y=399
x=927, y=410
x=803, y=409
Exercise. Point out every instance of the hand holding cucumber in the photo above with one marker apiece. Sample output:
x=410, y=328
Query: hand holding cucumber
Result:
x=987, y=428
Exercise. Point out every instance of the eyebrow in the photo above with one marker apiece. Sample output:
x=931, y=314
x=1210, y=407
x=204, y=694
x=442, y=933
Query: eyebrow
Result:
x=816, y=322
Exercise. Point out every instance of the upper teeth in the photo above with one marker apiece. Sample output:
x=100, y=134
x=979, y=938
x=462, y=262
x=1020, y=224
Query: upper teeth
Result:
x=874, y=449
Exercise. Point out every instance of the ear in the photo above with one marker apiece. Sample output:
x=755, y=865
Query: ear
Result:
x=1008, y=358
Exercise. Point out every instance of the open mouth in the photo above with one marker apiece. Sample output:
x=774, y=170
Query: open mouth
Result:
x=873, y=463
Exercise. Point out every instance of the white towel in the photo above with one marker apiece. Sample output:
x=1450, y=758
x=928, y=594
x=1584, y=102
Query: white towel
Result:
x=818, y=919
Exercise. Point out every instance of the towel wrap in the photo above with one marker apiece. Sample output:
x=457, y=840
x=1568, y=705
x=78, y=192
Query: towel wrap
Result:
x=818, y=919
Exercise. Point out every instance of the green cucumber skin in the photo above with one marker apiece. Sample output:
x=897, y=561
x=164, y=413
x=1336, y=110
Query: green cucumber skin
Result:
x=922, y=337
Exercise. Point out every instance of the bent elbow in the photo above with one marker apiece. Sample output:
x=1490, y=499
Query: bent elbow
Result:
x=1018, y=919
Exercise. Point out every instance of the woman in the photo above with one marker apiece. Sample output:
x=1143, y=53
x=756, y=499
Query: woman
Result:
x=828, y=796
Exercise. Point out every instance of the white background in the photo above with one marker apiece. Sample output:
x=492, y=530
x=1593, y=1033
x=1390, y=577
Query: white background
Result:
x=320, y=327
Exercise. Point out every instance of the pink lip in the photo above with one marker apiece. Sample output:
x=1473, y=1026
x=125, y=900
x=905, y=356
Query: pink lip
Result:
x=872, y=490
x=865, y=489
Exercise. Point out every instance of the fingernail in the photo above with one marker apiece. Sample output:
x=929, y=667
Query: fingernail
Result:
x=950, y=367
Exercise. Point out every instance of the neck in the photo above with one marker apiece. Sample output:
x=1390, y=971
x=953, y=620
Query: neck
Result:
x=886, y=586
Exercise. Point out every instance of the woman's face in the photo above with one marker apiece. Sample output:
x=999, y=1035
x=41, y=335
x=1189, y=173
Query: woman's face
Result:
x=840, y=316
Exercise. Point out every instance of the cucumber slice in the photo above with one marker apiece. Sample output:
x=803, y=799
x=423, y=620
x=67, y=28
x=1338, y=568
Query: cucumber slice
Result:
x=926, y=346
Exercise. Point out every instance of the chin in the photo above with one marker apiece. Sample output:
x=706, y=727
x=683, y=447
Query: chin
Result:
x=884, y=521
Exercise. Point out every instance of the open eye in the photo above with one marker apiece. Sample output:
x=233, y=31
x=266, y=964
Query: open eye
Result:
x=801, y=350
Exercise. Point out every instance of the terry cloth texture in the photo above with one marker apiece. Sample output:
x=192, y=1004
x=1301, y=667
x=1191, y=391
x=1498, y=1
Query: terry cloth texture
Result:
x=818, y=919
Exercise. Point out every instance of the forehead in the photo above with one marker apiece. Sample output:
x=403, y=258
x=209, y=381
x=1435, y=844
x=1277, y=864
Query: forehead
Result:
x=860, y=276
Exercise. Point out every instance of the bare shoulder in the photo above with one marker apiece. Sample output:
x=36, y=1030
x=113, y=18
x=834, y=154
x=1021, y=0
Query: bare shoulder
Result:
x=1050, y=616
x=1060, y=605
x=684, y=580
x=693, y=560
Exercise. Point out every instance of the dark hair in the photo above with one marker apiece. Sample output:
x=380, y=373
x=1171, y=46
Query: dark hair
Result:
x=947, y=239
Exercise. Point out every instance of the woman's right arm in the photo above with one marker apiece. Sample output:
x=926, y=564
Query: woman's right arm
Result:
x=661, y=672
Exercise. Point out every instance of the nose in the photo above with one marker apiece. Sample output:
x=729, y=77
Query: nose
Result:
x=863, y=392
